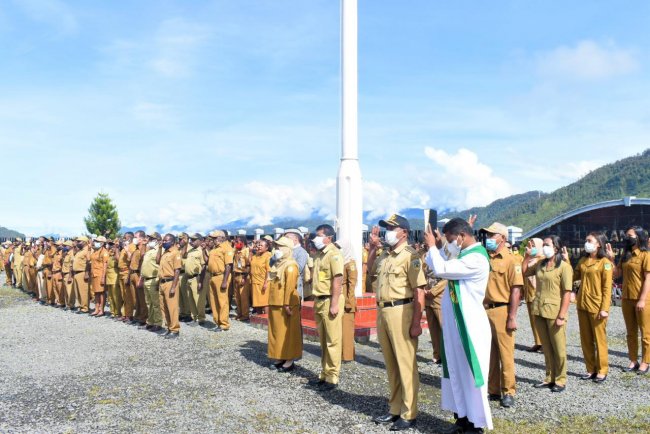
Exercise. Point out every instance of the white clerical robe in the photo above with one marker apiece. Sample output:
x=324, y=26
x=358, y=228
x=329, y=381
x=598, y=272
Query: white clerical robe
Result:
x=466, y=333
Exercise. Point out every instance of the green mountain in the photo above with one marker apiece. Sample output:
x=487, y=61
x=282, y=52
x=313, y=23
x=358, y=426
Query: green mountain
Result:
x=626, y=177
x=9, y=233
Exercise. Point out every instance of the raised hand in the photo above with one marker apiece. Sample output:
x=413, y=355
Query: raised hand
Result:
x=472, y=219
x=374, y=239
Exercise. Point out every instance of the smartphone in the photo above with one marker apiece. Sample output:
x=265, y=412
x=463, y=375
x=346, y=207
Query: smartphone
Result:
x=431, y=217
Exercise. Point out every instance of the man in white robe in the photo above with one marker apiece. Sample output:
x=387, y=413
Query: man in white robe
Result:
x=465, y=327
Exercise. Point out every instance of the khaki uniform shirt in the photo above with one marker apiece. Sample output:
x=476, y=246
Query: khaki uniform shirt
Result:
x=260, y=266
x=18, y=257
x=123, y=260
x=595, y=294
x=283, y=284
x=150, y=267
x=241, y=262
x=57, y=262
x=634, y=270
x=98, y=258
x=49, y=257
x=400, y=273
x=81, y=259
x=220, y=257
x=505, y=272
x=111, y=271
x=328, y=264
x=66, y=266
x=136, y=256
x=551, y=284
x=350, y=277
x=193, y=262
x=169, y=263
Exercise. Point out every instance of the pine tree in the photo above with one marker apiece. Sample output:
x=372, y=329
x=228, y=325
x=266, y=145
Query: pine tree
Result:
x=102, y=217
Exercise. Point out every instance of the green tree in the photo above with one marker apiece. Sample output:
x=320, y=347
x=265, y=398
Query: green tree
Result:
x=102, y=217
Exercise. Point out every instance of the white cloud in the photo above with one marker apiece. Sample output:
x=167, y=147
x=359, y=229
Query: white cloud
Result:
x=587, y=60
x=51, y=12
x=562, y=173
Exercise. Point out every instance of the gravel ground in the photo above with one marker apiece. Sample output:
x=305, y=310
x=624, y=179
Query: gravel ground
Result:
x=61, y=372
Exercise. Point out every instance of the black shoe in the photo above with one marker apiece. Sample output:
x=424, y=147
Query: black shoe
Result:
x=275, y=366
x=588, y=376
x=172, y=335
x=134, y=322
x=633, y=368
x=217, y=330
x=386, y=418
x=543, y=385
x=494, y=397
x=315, y=383
x=327, y=387
x=288, y=368
x=600, y=380
x=402, y=424
x=144, y=327
x=558, y=389
x=643, y=371
x=507, y=401
x=167, y=333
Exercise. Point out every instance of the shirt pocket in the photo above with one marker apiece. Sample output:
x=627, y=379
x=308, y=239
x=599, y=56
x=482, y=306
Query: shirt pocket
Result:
x=324, y=275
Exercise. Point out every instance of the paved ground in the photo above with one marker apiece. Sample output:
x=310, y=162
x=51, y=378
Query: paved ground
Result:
x=67, y=373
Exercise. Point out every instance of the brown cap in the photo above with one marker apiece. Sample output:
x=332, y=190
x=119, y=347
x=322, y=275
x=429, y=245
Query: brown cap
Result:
x=397, y=221
x=196, y=236
x=268, y=238
x=155, y=235
x=496, y=228
x=82, y=238
x=284, y=242
x=100, y=239
x=67, y=243
x=19, y=239
x=183, y=236
x=59, y=242
x=215, y=234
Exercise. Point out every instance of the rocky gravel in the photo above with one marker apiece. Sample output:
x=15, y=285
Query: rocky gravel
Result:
x=67, y=373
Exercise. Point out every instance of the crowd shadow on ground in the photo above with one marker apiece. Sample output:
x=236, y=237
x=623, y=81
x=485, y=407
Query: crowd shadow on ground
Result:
x=369, y=405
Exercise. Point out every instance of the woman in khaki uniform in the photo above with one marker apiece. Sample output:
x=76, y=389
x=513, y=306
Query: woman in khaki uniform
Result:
x=66, y=271
x=285, y=329
x=535, y=254
x=634, y=266
x=98, y=267
x=260, y=267
x=554, y=279
x=29, y=272
x=594, y=271
x=350, y=276
x=112, y=287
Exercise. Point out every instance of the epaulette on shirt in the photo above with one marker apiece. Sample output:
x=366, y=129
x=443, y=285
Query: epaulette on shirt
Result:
x=411, y=250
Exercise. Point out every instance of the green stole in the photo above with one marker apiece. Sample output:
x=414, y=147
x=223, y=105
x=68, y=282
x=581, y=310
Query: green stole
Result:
x=457, y=304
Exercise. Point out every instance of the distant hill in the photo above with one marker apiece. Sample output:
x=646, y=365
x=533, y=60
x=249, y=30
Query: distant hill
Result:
x=10, y=233
x=627, y=177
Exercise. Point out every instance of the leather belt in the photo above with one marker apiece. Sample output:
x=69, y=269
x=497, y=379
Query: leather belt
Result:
x=238, y=273
x=192, y=276
x=394, y=303
x=166, y=279
x=493, y=305
x=149, y=278
x=133, y=271
x=77, y=272
x=322, y=297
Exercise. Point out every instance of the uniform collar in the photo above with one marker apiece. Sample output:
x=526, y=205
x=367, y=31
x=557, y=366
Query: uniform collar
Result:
x=397, y=250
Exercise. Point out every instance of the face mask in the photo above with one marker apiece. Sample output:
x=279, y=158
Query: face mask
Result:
x=548, y=252
x=239, y=245
x=491, y=244
x=630, y=241
x=533, y=251
x=278, y=254
x=391, y=238
x=126, y=242
x=97, y=245
x=167, y=245
x=135, y=241
x=152, y=244
x=65, y=249
x=80, y=245
x=318, y=243
x=590, y=247
x=453, y=248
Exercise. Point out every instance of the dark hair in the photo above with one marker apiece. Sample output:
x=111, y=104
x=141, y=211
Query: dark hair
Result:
x=172, y=237
x=140, y=233
x=457, y=226
x=557, y=243
x=128, y=233
x=266, y=243
x=328, y=231
x=602, y=240
x=641, y=242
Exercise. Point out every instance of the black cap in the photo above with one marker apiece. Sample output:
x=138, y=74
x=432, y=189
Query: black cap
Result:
x=397, y=221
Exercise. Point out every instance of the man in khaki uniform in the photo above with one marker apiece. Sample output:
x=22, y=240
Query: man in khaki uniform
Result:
x=128, y=297
x=329, y=304
x=184, y=296
x=433, y=310
x=400, y=301
x=501, y=302
x=6, y=263
x=57, y=276
x=49, y=250
x=141, y=313
x=169, y=259
x=67, y=274
x=220, y=266
x=81, y=273
x=17, y=263
x=149, y=282
x=193, y=268
x=241, y=282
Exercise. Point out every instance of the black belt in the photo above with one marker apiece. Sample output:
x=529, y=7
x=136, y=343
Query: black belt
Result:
x=493, y=305
x=133, y=271
x=77, y=272
x=149, y=278
x=394, y=302
x=192, y=276
x=239, y=273
x=322, y=297
x=166, y=279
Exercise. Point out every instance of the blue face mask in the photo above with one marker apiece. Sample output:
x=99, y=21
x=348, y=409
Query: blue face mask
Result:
x=533, y=251
x=491, y=244
x=167, y=245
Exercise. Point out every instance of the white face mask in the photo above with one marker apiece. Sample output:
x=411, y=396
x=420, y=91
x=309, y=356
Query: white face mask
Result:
x=278, y=254
x=318, y=243
x=97, y=245
x=453, y=248
x=391, y=238
x=590, y=247
x=152, y=244
x=136, y=241
x=548, y=252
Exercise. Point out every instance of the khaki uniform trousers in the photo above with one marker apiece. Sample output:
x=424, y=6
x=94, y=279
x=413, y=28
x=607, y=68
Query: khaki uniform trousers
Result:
x=330, y=333
x=115, y=298
x=9, y=274
x=184, y=296
x=554, y=343
x=42, y=287
x=128, y=296
x=219, y=302
x=81, y=287
x=593, y=338
x=196, y=299
x=57, y=288
x=242, y=288
x=18, y=275
x=347, y=337
x=68, y=283
x=49, y=285
x=141, y=311
x=169, y=307
x=501, y=379
x=434, y=321
x=399, y=349
x=152, y=295
x=636, y=321
x=533, y=327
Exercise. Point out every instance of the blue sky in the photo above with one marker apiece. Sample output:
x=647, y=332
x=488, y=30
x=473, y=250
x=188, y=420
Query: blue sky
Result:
x=198, y=113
